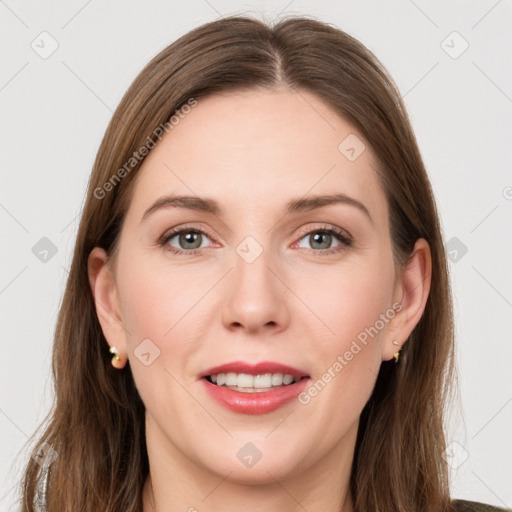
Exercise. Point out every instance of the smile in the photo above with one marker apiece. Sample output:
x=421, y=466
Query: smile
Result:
x=246, y=383
x=249, y=388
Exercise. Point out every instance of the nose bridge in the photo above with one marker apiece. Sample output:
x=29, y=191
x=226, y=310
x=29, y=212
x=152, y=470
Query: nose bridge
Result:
x=255, y=295
x=252, y=262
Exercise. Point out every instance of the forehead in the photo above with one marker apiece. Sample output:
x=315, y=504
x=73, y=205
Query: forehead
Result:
x=256, y=149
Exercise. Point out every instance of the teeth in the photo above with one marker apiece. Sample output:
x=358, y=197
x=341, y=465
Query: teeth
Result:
x=231, y=379
x=252, y=382
x=277, y=379
x=287, y=379
x=247, y=381
x=260, y=381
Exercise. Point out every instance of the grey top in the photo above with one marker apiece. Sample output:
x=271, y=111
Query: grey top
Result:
x=40, y=499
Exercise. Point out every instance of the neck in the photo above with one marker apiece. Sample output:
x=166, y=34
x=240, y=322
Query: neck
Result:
x=281, y=498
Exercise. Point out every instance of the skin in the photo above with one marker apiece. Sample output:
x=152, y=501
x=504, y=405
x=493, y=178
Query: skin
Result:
x=253, y=151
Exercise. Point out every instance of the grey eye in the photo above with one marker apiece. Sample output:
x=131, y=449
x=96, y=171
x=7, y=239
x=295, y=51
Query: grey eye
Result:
x=320, y=240
x=188, y=239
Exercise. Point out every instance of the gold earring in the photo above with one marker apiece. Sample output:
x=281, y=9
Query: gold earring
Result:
x=113, y=350
x=116, y=358
x=396, y=355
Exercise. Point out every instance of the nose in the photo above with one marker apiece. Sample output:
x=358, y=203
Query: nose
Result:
x=255, y=300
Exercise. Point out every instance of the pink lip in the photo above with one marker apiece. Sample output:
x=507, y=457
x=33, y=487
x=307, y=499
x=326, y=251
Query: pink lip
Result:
x=254, y=369
x=259, y=402
x=254, y=403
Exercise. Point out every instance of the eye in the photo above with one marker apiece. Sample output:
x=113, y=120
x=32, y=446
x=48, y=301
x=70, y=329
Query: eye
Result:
x=321, y=240
x=189, y=240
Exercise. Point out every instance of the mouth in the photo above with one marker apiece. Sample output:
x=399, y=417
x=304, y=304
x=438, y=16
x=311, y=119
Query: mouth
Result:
x=247, y=383
x=253, y=388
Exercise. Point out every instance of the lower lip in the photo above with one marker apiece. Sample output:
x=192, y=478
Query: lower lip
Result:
x=255, y=403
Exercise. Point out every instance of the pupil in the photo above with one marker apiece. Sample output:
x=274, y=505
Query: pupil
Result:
x=189, y=238
x=315, y=237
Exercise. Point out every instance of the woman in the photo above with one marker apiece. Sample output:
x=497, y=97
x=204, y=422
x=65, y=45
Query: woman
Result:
x=254, y=368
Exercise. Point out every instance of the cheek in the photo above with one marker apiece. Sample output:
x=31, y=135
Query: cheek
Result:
x=155, y=298
x=158, y=307
x=355, y=309
x=170, y=306
x=347, y=299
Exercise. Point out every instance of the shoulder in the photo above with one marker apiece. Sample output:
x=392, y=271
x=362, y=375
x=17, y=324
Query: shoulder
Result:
x=475, y=506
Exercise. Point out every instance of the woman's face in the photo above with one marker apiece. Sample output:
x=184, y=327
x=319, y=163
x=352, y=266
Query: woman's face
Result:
x=256, y=282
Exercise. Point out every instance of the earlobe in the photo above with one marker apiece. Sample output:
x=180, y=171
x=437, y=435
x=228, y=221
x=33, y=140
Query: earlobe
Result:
x=105, y=293
x=414, y=288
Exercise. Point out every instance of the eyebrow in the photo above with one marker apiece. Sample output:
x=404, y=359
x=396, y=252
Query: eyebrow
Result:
x=211, y=206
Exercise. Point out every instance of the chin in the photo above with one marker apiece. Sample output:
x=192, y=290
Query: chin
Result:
x=255, y=463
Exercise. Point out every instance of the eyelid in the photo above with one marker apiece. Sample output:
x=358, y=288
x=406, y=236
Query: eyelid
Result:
x=324, y=227
x=171, y=233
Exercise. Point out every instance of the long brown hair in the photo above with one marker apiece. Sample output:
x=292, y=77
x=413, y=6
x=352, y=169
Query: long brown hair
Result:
x=96, y=425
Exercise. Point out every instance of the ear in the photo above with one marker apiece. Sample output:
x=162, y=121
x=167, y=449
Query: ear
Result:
x=411, y=290
x=106, y=299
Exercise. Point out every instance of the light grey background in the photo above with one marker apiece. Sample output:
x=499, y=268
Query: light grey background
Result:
x=54, y=112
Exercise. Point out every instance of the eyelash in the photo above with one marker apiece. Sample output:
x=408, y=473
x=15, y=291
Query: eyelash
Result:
x=341, y=235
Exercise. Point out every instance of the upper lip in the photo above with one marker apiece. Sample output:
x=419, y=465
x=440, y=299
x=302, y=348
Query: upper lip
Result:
x=254, y=369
